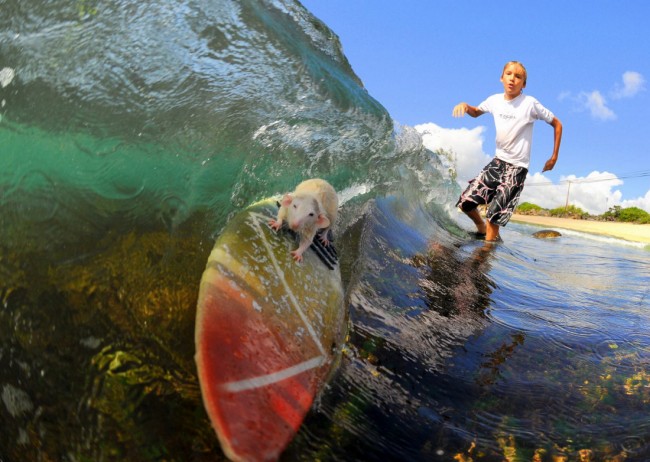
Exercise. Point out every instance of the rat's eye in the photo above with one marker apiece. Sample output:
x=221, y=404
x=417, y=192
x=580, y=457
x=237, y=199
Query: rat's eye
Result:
x=295, y=206
x=311, y=214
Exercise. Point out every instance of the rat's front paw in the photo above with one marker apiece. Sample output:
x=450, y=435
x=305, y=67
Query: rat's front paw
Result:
x=275, y=225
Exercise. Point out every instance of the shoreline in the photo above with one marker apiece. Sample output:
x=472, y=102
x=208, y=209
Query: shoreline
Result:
x=627, y=231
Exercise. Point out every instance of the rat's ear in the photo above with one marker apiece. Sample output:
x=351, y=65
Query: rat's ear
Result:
x=286, y=200
x=322, y=221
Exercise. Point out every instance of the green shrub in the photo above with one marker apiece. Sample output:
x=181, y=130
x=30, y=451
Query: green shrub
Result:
x=612, y=214
x=526, y=207
x=634, y=214
x=570, y=211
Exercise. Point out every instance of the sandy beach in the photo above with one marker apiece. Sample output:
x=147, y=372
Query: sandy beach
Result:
x=627, y=231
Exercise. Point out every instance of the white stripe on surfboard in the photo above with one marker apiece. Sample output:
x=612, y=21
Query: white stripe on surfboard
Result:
x=280, y=274
x=274, y=377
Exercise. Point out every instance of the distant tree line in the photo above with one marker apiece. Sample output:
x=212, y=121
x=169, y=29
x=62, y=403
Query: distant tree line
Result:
x=616, y=213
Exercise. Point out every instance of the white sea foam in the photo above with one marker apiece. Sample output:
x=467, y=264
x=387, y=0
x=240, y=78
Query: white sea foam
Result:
x=602, y=238
x=7, y=74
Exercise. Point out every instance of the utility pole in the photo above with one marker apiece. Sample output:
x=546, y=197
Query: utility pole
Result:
x=566, y=206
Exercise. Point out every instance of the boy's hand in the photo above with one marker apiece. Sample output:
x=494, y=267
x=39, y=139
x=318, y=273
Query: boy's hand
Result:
x=549, y=164
x=463, y=108
x=460, y=110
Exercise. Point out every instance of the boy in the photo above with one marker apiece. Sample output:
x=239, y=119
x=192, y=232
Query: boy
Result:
x=501, y=182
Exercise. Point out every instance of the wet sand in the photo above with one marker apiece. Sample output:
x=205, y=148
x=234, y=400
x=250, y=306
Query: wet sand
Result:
x=628, y=231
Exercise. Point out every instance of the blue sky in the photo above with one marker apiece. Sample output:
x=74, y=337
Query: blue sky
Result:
x=588, y=62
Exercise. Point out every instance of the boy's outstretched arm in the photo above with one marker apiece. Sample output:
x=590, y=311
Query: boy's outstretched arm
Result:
x=557, y=138
x=463, y=108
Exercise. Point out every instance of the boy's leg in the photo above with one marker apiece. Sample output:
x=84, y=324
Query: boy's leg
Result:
x=475, y=216
x=480, y=191
x=505, y=199
x=492, y=232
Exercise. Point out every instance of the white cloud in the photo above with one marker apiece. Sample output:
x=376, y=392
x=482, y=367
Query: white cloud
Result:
x=466, y=144
x=633, y=83
x=641, y=202
x=597, y=105
x=541, y=191
x=594, y=193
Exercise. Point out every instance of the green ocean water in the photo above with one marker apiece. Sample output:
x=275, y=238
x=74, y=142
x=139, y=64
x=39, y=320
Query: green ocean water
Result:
x=147, y=114
x=131, y=132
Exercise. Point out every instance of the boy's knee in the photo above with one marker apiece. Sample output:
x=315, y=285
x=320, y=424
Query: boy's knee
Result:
x=468, y=206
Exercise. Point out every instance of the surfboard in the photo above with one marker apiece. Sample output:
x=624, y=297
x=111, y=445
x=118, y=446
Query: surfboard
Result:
x=268, y=334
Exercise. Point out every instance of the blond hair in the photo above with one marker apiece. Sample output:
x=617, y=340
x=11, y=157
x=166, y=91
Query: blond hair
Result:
x=516, y=63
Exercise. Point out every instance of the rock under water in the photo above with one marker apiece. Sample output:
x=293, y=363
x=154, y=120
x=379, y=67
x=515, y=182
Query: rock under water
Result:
x=546, y=234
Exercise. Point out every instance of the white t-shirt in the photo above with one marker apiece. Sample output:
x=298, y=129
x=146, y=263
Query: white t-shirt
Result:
x=514, y=125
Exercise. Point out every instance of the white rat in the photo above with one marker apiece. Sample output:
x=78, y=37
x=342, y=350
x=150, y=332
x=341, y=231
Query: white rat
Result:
x=313, y=206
